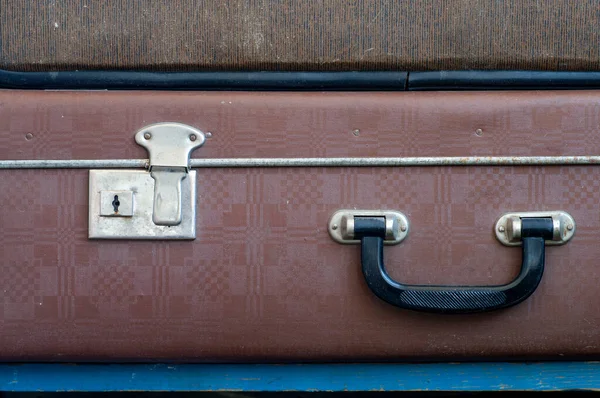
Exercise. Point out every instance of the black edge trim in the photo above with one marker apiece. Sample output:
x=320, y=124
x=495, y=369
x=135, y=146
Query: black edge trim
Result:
x=502, y=80
x=246, y=81
x=301, y=81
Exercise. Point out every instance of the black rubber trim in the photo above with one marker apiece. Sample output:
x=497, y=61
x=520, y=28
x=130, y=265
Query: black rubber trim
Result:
x=502, y=80
x=301, y=81
x=233, y=81
x=452, y=299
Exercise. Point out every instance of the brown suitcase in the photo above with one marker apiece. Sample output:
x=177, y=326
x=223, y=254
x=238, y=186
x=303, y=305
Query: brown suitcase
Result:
x=264, y=280
x=328, y=35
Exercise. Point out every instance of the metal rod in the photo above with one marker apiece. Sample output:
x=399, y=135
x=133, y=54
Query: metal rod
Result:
x=398, y=162
x=313, y=162
x=74, y=164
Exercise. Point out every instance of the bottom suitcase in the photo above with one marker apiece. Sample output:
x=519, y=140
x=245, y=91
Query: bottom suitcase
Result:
x=117, y=247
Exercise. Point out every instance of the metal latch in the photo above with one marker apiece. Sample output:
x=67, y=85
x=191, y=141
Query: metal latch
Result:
x=169, y=146
x=156, y=204
x=508, y=227
x=341, y=225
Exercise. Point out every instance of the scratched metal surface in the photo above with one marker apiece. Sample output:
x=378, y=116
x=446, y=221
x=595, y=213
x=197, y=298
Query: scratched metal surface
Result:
x=313, y=162
x=263, y=281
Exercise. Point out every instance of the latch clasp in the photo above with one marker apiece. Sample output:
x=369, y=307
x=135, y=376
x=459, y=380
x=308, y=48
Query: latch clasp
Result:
x=169, y=146
x=158, y=203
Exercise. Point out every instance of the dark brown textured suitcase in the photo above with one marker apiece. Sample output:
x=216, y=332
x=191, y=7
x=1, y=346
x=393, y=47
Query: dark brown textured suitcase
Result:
x=264, y=279
x=329, y=35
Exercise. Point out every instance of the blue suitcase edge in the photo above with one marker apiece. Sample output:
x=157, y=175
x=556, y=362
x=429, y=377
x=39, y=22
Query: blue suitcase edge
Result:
x=539, y=376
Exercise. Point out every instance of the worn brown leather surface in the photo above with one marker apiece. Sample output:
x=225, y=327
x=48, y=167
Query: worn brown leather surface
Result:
x=409, y=35
x=263, y=281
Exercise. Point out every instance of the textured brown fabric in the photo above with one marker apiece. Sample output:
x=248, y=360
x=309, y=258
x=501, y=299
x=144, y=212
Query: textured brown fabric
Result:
x=299, y=35
x=263, y=281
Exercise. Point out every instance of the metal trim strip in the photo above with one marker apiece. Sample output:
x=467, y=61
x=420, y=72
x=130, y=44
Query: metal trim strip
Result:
x=313, y=162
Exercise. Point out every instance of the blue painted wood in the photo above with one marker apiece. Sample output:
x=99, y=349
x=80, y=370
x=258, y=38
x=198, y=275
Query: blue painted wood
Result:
x=550, y=376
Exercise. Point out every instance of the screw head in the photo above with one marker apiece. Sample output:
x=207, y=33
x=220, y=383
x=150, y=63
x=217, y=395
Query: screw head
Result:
x=193, y=137
x=403, y=228
x=147, y=135
x=334, y=227
x=501, y=228
x=570, y=227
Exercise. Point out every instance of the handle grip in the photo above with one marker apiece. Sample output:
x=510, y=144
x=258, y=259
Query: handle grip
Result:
x=452, y=299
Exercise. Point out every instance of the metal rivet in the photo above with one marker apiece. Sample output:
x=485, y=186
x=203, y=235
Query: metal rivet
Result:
x=192, y=137
x=356, y=132
x=334, y=227
x=501, y=228
x=28, y=136
x=208, y=135
x=147, y=136
x=403, y=228
x=570, y=227
x=479, y=132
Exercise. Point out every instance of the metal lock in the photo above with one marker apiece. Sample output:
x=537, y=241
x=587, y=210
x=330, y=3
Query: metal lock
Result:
x=508, y=227
x=156, y=204
x=341, y=225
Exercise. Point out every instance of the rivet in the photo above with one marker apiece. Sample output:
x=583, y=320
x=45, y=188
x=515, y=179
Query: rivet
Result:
x=192, y=137
x=403, y=228
x=334, y=227
x=570, y=227
x=208, y=135
x=147, y=135
x=28, y=136
x=479, y=132
x=356, y=132
x=501, y=229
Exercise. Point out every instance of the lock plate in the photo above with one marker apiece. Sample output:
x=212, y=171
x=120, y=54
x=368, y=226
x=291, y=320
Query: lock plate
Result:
x=135, y=195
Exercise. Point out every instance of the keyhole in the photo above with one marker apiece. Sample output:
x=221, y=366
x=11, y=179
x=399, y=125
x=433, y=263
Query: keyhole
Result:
x=116, y=203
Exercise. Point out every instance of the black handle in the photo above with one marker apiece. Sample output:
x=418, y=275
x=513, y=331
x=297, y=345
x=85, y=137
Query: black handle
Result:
x=452, y=299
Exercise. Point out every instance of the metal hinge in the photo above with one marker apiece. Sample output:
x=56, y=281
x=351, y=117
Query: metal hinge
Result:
x=159, y=203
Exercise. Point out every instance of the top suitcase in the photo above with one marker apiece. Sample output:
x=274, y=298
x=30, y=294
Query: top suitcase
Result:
x=331, y=35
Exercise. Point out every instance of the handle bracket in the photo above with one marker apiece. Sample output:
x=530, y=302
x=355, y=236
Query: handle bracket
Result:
x=508, y=228
x=342, y=227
